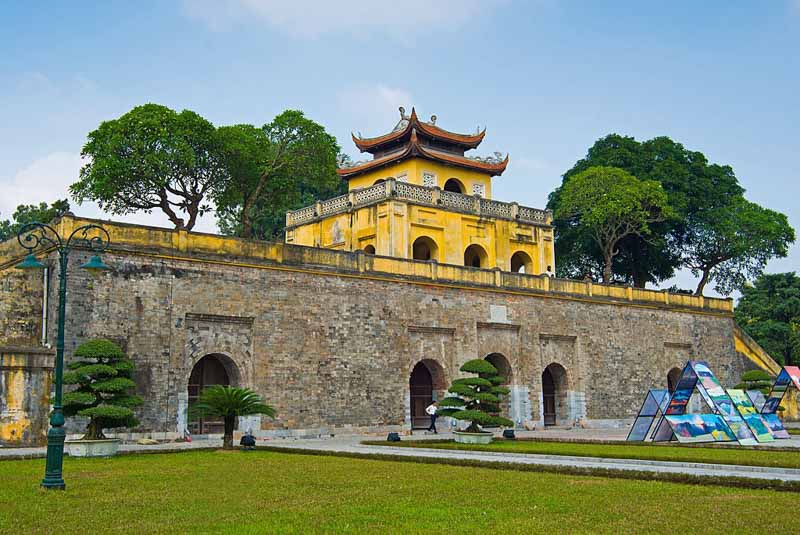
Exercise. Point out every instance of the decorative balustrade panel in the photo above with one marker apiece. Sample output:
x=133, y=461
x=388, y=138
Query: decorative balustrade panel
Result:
x=496, y=209
x=335, y=205
x=415, y=193
x=370, y=194
x=532, y=214
x=457, y=201
x=303, y=215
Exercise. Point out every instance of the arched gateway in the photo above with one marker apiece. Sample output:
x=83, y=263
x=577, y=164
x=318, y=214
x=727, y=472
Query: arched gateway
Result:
x=427, y=382
x=554, y=395
x=210, y=370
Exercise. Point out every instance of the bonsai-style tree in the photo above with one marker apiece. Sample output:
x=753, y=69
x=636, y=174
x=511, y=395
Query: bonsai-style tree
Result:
x=756, y=380
x=476, y=399
x=228, y=402
x=104, y=378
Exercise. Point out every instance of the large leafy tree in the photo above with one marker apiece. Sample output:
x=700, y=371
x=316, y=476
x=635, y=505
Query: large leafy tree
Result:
x=692, y=186
x=769, y=311
x=29, y=213
x=732, y=244
x=228, y=403
x=607, y=205
x=283, y=165
x=152, y=158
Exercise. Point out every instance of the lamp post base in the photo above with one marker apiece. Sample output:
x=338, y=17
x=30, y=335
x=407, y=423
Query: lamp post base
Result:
x=55, y=455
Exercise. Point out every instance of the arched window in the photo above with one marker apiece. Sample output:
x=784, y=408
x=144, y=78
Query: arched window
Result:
x=369, y=249
x=424, y=248
x=500, y=362
x=521, y=263
x=475, y=256
x=454, y=185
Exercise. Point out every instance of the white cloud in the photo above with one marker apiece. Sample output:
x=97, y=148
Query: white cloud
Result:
x=49, y=178
x=312, y=18
x=374, y=107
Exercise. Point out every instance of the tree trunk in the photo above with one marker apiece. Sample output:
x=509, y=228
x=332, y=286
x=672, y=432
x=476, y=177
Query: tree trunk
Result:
x=702, y=284
x=227, y=438
x=608, y=259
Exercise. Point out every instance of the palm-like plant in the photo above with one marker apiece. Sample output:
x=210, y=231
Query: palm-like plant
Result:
x=228, y=403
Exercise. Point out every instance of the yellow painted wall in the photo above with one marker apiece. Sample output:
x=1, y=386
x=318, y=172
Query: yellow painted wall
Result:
x=414, y=168
x=392, y=227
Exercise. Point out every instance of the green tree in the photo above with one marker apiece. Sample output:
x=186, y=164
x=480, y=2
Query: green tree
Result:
x=609, y=204
x=103, y=377
x=732, y=244
x=476, y=399
x=283, y=165
x=769, y=311
x=228, y=403
x=29, y=213
x=152, y=158
x=692, y=185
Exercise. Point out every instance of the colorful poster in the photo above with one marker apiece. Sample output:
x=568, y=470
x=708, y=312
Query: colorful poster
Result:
x=775, y=396
x=750, y=415
x=711, y=389
x=775, y=425
x=640, y=428
x=690, y=428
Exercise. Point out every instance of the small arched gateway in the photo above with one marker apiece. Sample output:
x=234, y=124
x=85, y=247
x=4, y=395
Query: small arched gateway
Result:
x=424, y=248
x=213, y=369
x=521, y=263
x=427, y=382
x=500, y=362
x=475, y=256
x=554, y=395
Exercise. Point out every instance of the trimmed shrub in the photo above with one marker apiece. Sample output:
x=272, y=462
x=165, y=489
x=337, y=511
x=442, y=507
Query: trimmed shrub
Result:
x=476, y=399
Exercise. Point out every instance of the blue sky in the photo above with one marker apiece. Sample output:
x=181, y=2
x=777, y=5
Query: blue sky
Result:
x=546, y=77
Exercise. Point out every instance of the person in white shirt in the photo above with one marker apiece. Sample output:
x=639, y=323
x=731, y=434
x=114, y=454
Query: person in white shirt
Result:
x=431, y=411
x=549, y=272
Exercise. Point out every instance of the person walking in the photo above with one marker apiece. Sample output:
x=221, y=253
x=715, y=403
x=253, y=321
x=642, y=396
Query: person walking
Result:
x=431, y=410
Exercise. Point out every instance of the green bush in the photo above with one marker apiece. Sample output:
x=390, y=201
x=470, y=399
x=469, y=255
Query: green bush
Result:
x=476, y=399
x=104, y=377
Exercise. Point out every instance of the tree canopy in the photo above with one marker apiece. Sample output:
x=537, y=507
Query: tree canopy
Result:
x=152, y=158
x=712, y=230
x=29, y=213
x=730, y=245
x=769, y=311
x=286, y=164
x=607, y=204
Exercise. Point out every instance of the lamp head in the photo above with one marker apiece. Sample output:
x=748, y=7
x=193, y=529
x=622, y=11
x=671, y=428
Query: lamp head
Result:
x=30, y=262
x=95, y=264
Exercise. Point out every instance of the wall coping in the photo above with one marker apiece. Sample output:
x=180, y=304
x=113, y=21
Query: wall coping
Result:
x=179, y=245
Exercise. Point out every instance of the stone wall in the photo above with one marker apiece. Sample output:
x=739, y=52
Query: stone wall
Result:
x=25, y=378
x=330, y=338
x=332, y=351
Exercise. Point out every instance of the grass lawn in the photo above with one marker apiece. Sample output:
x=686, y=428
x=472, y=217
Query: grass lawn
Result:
x=749, y=457
x=210, y=491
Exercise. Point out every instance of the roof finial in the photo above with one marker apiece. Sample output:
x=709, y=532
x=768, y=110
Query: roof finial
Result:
x=403, y=113
x=433, y=119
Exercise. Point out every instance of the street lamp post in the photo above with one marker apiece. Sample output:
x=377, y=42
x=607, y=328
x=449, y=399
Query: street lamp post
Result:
x=31, y=237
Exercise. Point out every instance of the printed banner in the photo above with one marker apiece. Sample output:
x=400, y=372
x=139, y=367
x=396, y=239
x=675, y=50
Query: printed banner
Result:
x=711, y=389
x=690, y=428
x=750, y=415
